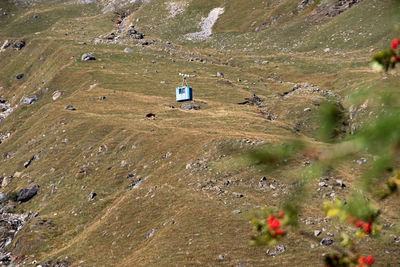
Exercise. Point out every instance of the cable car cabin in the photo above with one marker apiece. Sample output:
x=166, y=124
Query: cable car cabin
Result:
x=183, y=93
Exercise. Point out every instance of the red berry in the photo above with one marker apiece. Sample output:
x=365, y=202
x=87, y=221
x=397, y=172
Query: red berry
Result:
x=281, y=214
x=361, y=260
x=369, y=260
x=367, y=228
x=273, y=233
x=279, y=232
x=394, y=43
x=274, y=224
x=270, y=218
x=359, y=224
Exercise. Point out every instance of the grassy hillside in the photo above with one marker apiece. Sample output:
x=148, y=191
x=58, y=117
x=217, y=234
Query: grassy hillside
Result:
x=182, y=210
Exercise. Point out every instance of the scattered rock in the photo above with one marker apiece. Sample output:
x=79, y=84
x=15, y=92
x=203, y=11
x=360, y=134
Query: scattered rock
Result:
x=70, y=107
x=326, y=241
x=128, y=50
x=19, y=76
x=237, y=211
x=28, y=162
x=11, y=223
x=131, y=175
x=221, y=257
x=26, y=194
x=322, y=184
x=167, y=155
x=123, y=163
x=56, y=95
x=220, y=75
x=189, y=106
x=91, y=196
x=340, y=183
x=29, y=100
x=151, y=116
x=136, y=183
x=252, y=100
x=5, y=182
x=3, y=197
x=238, y=195
x=317, y=232
x=307, y=109
x=87, y=57
x=5, y=45
x=151, y=233
x=19, y=45
x=280, y=248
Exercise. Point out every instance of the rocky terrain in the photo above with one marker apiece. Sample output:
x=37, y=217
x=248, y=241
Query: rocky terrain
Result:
x=100, y=166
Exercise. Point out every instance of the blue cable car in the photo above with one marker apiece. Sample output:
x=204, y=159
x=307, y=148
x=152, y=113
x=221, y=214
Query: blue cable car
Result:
x=184, y=92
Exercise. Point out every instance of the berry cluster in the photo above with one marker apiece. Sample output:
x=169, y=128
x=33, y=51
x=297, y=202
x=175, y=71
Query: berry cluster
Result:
x=366, y=227
x=365, y=261
x=393, y=45
x=388, y=58
x=274, y=224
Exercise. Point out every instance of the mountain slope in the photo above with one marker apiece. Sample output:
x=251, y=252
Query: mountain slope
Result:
x=175, y=190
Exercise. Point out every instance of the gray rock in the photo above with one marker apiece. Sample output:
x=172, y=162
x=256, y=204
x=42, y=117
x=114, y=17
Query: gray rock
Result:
x=220, y=75
x=128, y=50
x=27, y=193
x=2, y=197
x=87, y=57
x=56, y=95
x=136, y=183
x=189, y=106
x=255, y=98
x=169, y=154
x=70, y=107
x=237, y=211
x=151, y=233
x=322, y=184
x=221, y=257
x=340, y=183
x=19, y=45
x=280, y=248
x=317, y=232
x=28, y=162
x=29, y=100
x=238, y=195
x=131, y=175
x=307, y=109
x=19, y=76
x=326, y=241
x=91, y=196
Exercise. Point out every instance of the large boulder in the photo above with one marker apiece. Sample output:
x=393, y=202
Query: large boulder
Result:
x=26, y=194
